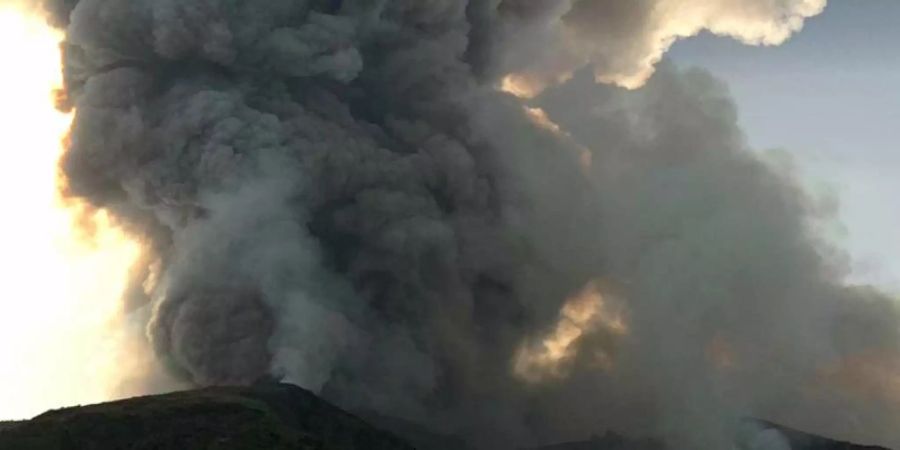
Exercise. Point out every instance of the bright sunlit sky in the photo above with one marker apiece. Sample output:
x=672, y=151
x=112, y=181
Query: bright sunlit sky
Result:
x=831, y=98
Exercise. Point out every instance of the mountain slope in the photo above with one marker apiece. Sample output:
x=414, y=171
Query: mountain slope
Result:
x=797, y=440
x=264, y=417
x=272, y=416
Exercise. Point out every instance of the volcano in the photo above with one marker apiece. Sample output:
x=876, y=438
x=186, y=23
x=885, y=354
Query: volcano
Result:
x=276, y=416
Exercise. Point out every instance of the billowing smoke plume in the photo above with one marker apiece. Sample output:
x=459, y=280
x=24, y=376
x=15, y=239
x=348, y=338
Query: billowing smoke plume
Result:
x=623, y=40
x=337, y=193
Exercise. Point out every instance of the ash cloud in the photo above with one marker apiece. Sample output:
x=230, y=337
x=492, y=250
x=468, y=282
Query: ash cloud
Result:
x=623, y=40
x=337, y=194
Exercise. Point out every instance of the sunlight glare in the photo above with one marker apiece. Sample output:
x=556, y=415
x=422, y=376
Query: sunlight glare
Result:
x=62, y=286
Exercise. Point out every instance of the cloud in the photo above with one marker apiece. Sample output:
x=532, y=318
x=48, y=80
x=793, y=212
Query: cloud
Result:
x=623, y=41
x=338, y=194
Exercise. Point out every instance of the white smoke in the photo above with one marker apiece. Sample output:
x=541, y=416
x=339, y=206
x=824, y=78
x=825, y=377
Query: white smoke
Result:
x=623, y=40
x=753, y=436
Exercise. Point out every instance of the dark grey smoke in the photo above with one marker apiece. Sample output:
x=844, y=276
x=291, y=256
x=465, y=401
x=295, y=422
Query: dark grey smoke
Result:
x=338, y=194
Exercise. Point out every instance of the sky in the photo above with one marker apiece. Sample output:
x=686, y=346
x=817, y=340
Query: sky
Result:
x=829, y=98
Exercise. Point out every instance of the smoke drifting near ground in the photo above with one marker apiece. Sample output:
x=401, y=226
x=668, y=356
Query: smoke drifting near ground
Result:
x=338, y=193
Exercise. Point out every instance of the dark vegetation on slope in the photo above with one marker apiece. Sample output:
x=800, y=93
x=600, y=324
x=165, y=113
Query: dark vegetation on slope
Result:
x=419, y=436
x=264, y=417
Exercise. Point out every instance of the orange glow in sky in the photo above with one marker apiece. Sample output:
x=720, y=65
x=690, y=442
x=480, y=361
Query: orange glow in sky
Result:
x=61, y=286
